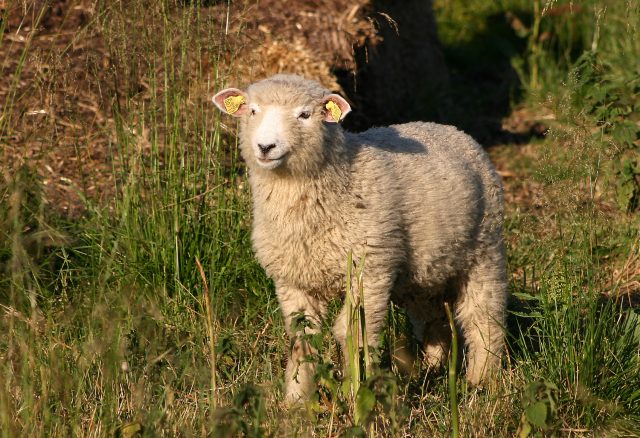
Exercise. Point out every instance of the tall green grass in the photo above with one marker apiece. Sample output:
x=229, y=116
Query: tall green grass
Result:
x=116, y=333
x=583, y=350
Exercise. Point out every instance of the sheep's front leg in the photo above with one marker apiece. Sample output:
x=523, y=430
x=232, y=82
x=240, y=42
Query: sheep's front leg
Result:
x=303, y=315
x=480, y=311
x=376, y=294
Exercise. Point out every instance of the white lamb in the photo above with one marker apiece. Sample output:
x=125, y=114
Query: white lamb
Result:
x=421, y=201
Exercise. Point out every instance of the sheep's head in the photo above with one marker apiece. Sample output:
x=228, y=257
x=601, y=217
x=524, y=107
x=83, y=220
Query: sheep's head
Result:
x=285, y=122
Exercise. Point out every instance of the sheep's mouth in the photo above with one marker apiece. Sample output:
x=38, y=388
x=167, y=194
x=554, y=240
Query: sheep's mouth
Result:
x=270, y=163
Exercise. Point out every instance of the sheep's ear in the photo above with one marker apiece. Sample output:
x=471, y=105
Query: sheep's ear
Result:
x=335, y=108
x=232, y=101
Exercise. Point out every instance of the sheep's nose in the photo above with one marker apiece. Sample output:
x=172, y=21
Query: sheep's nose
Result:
x=265, y=148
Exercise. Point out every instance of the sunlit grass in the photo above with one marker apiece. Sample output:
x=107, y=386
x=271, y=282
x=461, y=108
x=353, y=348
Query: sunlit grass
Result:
x=150, y=313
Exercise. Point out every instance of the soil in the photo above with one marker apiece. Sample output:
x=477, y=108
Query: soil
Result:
x=54, y=116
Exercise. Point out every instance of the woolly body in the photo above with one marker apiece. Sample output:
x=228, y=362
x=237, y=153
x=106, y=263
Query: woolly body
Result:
x=420, y=201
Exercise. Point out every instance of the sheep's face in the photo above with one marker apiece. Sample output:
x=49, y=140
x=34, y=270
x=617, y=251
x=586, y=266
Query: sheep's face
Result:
x=284, y=122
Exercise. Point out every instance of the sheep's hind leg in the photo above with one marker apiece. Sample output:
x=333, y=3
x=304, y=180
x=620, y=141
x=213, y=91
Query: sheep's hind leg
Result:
x=431, y=329
x=437, y=340
x=303, y=315
x=480, y=311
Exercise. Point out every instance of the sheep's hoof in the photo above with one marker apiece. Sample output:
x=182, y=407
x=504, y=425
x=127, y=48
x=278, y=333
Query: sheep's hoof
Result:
x=435, y=355
x=482, y=375
x=404, y=358
x=296, y=396
x=292, y=399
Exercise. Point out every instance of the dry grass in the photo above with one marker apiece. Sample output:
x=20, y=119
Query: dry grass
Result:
x=130, y=302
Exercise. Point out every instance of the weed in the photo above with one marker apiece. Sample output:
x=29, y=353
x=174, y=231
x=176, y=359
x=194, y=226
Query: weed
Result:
x=148, y=315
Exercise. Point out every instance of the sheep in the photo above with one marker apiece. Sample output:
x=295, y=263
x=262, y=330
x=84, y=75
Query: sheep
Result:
x=421, y=202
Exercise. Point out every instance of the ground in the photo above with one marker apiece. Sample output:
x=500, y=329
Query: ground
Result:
x=129, y=294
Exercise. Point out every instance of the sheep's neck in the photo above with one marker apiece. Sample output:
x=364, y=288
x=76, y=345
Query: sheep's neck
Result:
x=306, y=199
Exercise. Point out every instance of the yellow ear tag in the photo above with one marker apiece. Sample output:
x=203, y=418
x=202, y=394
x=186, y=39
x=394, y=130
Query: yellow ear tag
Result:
x=232, y=103
x=336, y=112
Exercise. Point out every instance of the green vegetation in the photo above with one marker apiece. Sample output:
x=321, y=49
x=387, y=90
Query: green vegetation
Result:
x=149, y=316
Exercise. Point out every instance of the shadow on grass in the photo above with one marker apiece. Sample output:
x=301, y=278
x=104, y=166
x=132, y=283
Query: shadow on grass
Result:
x=479, y=88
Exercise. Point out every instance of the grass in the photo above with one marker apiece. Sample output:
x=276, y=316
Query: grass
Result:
x=148, y=315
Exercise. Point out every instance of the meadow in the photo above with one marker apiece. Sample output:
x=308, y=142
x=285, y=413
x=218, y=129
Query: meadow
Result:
x=130, y=301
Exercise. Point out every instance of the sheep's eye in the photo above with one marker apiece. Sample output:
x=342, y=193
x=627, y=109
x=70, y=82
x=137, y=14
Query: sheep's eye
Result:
x=253, y=111
x=304, y=115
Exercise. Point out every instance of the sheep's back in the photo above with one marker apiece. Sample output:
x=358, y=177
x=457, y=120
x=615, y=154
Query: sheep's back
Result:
x=444, y=188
